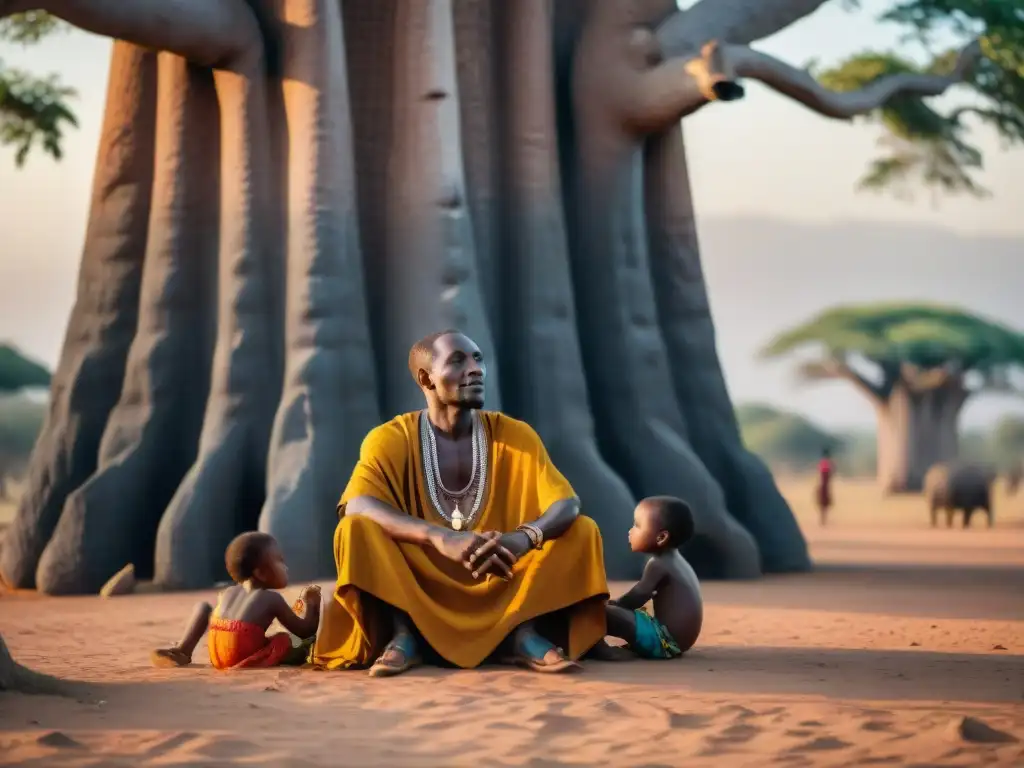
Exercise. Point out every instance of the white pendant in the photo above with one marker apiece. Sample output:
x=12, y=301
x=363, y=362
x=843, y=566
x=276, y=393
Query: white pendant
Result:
x=457, y=519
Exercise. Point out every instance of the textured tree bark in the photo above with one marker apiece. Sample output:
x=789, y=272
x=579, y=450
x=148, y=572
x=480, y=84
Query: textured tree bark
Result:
x=211, y=33
x=684, y=316
x=544, y=378
x=223, y=491
x=400, y=168
x=432, y=278
x=370, y=30
x=641, y=429
x=88, y=379
x=478, y=33
x=329, y=400
x=916, y=429
x=150, y=436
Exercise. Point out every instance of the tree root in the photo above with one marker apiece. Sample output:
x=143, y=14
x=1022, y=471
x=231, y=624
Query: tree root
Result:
x=220, y=496
x=547, y=388
x=223, y=491
x=327, y=338
x=757, y=504
x=684, y=316
x=641, y=430
x=15, y=678
x=660, y=461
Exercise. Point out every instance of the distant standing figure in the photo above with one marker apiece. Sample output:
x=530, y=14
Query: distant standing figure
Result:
x=824, y=492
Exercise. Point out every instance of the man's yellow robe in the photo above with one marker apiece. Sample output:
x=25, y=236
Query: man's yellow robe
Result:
x=461, y=618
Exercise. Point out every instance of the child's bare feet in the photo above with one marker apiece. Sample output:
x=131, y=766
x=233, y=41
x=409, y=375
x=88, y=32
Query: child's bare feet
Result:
x=170, y=657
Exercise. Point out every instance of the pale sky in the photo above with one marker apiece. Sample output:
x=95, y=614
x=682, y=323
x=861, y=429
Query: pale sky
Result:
x=763, y=164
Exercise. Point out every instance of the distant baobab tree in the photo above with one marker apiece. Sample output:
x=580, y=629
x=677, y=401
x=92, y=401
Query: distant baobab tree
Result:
x=918, y=364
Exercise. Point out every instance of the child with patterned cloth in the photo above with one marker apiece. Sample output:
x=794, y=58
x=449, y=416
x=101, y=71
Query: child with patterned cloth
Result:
x=660, y=525
x=238, y=626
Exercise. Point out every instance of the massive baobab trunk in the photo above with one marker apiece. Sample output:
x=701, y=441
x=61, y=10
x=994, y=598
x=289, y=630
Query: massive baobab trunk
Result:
x=89, y=379
x=365, y=177
x=917, y=428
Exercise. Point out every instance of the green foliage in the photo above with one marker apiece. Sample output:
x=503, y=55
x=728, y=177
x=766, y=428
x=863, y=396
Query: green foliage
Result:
x=928, y=144
x=926, y=335
x=21, y=420
x=18, y=372
x=28, y=27
x=32, y=109
x=784, y=440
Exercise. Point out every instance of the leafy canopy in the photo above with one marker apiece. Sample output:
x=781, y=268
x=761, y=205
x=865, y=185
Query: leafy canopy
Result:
x=32, y=109
x=18, y=372
x=927, y=143
x=925, y=335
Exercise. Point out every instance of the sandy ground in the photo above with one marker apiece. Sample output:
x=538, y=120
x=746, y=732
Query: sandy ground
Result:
x=874, y=659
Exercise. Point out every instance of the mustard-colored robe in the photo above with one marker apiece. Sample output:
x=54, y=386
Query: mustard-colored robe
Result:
x=462, y=619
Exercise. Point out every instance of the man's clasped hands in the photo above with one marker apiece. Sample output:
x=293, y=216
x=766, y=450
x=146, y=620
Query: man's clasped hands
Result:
x=489, y=552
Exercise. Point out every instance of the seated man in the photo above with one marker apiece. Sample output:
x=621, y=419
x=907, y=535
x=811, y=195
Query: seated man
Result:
x=456, y=528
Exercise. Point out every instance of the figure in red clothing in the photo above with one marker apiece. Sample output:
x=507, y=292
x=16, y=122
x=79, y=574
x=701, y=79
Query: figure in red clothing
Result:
x=824, y=492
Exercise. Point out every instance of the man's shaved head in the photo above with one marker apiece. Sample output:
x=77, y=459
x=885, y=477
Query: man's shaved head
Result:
x=449, y=369
x=421, y=356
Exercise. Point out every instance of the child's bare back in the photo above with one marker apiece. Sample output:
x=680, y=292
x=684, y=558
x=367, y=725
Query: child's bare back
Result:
x=250, y=605
x=660, y=525
x=237, y=626
x=678, y=603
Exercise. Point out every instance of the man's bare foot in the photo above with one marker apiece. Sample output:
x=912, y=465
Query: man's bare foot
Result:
x=170, y=657
x=605, y=651
x=400, y=655
x=535, y=653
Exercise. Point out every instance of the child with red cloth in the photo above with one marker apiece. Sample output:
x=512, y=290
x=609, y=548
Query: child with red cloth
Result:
x=237, y=627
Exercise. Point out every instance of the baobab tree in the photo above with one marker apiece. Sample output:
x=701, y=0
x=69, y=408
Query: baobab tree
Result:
x=918, y=365
x=289, y=193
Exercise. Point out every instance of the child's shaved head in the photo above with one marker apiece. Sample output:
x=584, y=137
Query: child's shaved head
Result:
x=245, y=552
x=673, y=515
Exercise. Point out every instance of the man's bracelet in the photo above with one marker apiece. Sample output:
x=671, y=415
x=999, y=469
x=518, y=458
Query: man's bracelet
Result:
x=534, y=534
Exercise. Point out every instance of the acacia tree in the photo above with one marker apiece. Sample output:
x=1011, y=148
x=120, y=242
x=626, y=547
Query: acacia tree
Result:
x=289, y=193
x=918, y=365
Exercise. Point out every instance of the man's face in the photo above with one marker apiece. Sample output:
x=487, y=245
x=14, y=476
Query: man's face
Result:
x=458, y=372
